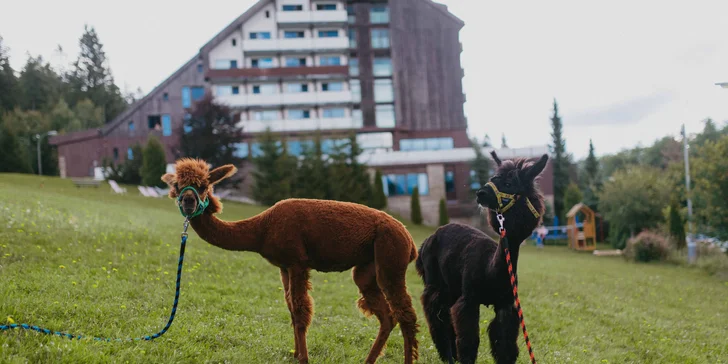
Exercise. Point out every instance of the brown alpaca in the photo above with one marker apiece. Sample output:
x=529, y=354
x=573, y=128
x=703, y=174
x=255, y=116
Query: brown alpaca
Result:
x=298, y=235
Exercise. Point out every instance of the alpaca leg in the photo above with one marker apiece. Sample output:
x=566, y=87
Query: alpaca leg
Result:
x=503, y=334
x=372, y=301
x=392, y=283
x=437, y=314
x=466, y=316
x=287, y=293
x=302, y=305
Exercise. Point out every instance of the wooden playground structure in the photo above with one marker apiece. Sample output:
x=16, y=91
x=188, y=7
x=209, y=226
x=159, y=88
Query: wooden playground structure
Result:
x=581, y=228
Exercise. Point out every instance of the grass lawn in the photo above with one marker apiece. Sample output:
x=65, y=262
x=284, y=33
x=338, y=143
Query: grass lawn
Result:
x=87, y=261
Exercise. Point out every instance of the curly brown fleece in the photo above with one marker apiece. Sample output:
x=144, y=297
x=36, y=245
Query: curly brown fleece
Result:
x=298, y=235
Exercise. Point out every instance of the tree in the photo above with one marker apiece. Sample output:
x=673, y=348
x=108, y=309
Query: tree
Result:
x=379, y=198
x=444, y=218
x=633, y=200
x=90, y=77
x=710, y=133
x=349, y=179
x=560, y=164
x=272, y=178
x=63, y=119
x=481, y=164
x=39, y=85
x=572, y=196
x=592, y=182
x=211, y=133
x=8, y=81
x=88, y=114
x=13, y=154
x=676, y=224
x=504, y=144
x=313, y=174
x=415, y=210
x=154, y=164
x=486, y=141
x=710, y=194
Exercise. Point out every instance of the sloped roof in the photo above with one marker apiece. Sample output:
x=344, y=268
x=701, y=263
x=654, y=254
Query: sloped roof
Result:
x=576, y=208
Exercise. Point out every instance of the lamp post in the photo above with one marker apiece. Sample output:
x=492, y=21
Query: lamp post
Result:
x=37, y=138
x=691, y=244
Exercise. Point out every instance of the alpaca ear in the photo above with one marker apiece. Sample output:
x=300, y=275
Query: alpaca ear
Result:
x=495, y=158
x=169, y=179
x=220, y=173
x=536, y=169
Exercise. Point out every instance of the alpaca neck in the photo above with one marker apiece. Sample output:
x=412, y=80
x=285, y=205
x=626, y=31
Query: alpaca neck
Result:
x=243, y=235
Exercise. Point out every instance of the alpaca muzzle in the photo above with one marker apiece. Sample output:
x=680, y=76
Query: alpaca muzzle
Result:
x=507, y=200
x=191, y=206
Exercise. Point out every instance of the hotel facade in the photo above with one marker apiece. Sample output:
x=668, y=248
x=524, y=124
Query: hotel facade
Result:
x=389, y=71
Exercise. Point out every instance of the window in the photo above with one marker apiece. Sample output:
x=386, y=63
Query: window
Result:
x=200, y=68
x=384, y=115
x=131, y=127
x=129, y=154
x=426, y=144
x=296, y=147
x=379, y=15
x=262, y=62
x=382, y=66
x=259, y=35
x=296, y=87
x=267, y=14
x=328, y=33
x=351, y=15
x=449, y=181
x=198, y=92
x=404, y=184
x=293, y=34
x=166, y=125
x=383, y=90
x=241, y=150
x=380, y=38
x=222, y=64
x=356, y=115
x=234, y=42
x=292, y=7
x=325, y=6
x=295, y=62
x=116, y=154
x=165, y=96
x=352, y=38
x=233, y=64
x=186, y=123
x=185, y=98
x=474, y=182
x=354, y=67
x=333, y=113
x=330, y=61
x=265, y=115
x=299, y=114
x=355, y=86
x=154, y=122
x=332, y=86
x=265, y=89
x=223, y=90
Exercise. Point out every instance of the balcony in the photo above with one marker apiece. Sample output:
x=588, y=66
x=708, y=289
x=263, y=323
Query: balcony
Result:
x=286, y=99
x=295, y=45
x=316, y=72
x=290, y=125
x=320, y=18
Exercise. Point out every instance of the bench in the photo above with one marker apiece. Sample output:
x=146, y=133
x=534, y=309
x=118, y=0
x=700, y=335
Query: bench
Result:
x=86, y=183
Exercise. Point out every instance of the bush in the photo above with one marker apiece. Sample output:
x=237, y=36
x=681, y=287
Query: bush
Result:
x=647, y=246
x=444, y=218
x=416, y=211
x=379, y=199
x=154, y=163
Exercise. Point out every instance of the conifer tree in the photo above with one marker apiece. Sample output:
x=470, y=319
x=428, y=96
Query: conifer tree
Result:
x=415, y=210
x=154, y=164
x=444, y=218
x=560, y=164
x=379, y=199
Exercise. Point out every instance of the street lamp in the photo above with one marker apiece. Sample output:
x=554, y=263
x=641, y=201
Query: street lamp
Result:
x=37, y=138
x=691, y=243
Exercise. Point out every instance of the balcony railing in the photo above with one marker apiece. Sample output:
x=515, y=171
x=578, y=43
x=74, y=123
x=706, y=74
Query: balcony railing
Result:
x=295, y=45
x=286, y=99
x=295, y=18
x=279, y=72
x=290, y=125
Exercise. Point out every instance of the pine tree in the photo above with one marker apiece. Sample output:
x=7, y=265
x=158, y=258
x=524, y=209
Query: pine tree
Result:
x=592, y=183
x=444, y=218
x=380, y=199
x=14, y=156
x=272, y=176
x=415, y=210
x=8, y=81
x=676, y=224
x=560, y=164
x=312, y=177
x=360, y=179
x=90, y=77
x=572, y=196
x=154, y=164
x=481, y=165
x=39, y=85
x=349, y=179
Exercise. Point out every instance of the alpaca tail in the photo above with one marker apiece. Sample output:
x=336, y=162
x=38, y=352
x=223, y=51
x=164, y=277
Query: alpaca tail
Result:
x=394, y=249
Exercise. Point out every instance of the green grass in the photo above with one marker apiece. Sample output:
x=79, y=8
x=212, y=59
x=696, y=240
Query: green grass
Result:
x=90, y=262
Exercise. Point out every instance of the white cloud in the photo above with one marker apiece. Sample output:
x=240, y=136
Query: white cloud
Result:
x=518, y=56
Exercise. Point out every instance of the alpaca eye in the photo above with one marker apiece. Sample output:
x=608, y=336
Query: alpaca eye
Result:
x=508, y=185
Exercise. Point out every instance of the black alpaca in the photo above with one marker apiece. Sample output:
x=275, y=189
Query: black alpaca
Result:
x=463, y=268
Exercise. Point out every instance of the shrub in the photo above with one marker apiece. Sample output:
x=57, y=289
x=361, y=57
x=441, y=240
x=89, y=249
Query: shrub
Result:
x=416, y=211
x=154, y=163
x=647, y=246
x=379, y=199
x=444, y=218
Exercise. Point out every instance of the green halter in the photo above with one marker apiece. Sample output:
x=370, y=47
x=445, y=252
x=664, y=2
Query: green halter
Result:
x=201, y=205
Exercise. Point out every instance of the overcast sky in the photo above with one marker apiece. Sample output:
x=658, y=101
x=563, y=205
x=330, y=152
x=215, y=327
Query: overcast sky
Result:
x=624, y=72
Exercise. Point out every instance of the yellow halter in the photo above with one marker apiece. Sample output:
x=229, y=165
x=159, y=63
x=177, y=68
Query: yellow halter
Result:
x=507, y=200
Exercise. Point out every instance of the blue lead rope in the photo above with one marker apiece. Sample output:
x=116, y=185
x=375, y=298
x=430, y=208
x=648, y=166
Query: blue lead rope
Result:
x=148, y=337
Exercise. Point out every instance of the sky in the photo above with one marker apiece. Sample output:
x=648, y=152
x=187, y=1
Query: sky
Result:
x=623, y=72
